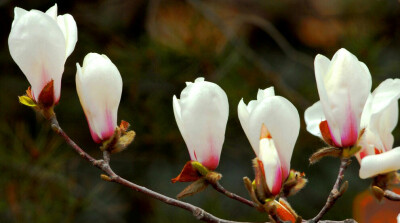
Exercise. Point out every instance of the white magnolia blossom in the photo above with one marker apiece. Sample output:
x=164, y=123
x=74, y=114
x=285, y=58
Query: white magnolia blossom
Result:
x=344, y=84
x=99, y=87
x=40, y=44
x=202, y=114
x=282, y=123
x=379, y=118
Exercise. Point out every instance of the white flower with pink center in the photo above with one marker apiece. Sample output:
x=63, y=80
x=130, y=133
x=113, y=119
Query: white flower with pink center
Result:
x=99, y=87
x=279, y=123
x=202, y=114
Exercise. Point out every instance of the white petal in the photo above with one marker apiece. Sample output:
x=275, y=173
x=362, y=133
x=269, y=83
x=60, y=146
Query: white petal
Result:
x=68, y=27
x=321, y=65
x=37, y=46
x=379, y=164
x=243, y=114
x=18, y=13
x=268, y=92
x=313, y=116
x=367, y=112
x=272, y=166
x=204, y=114
x=178, y=117
x=52, y=12
x=387, y=92
x=369, y=142
x=343, y=91
x=398, y=218
x=384, y=96
x=99, y=87
x=283, y=122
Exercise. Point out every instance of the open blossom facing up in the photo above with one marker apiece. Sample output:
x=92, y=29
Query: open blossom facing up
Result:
x=344, y=84
x=202, y=114
x=379, y=118
x=40, y=44
x=279, y=123
x=99, y=87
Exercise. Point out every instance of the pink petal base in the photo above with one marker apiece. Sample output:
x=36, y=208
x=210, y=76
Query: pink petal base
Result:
x=107, y=132
x=349, y=134
x=212, y=162
x=276, y=188
x=350, y=131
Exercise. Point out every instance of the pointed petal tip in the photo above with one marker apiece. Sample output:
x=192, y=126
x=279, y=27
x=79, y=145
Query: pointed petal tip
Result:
x=265, y=134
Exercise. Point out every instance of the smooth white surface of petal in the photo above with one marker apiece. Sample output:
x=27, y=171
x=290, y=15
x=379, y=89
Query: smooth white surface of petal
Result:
x=37, y=45
x=380, y=164
x=343, y=91
x=272, y=167
x=386, y=124
x=268, y=92
x=313, y=116
x=243, y=114
x=52, y=11
x=367, y=112
x=68, y=27
x=280, y=118
x=398, y=218
x=204, y=114
x=18, y=13
x=385, y=96
x=99, y=87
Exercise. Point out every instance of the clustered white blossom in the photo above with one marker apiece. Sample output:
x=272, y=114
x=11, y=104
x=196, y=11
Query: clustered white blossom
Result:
x=347, y=115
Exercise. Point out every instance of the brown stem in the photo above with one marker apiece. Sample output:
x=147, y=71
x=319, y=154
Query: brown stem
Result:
x=336, y=192
x=390, y=195
x=218, y=187
x=103, y=164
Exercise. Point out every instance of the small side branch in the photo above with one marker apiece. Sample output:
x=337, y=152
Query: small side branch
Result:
x=218, y=187
x=336, y=192
x=104, y=165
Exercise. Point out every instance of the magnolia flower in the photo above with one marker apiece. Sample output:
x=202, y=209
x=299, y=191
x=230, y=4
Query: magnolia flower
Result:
x=40, y=44
x=343, y=85
x=201, y=114
x=379, y=118
x=279, y=122
x=99, y=87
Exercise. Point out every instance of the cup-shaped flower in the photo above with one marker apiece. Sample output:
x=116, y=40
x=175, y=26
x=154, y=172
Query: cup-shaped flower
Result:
x=40, y=44
x=202, y=114
x=344, y=84
x=99, y=87
x=280, y=124
x=379, y=118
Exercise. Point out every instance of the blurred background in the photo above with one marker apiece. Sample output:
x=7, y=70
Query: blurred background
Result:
x=242, y=45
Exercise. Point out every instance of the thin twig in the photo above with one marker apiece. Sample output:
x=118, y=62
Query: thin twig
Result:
x=103, y=165
x=390, y=195
x=335, y=192
x=217, y=186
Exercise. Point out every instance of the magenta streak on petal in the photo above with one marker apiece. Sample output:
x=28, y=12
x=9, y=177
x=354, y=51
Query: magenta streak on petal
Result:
x=285, y=172
x=195, y=156
x=276, y=188
x=211, y=160
x=363, y=153
x=350, y=131
x=110, y=127
x=94, y=135
x=44, y=80
x=335, y=142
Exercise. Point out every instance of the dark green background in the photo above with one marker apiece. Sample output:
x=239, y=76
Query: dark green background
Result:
x=157, y=46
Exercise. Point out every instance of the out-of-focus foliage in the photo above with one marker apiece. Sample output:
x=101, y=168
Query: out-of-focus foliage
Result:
x=157, y=46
